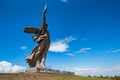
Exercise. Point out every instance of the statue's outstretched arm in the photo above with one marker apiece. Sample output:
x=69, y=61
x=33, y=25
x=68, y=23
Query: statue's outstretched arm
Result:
x=31, y=30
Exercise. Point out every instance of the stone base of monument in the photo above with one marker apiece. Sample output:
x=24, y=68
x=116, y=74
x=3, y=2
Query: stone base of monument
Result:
x=32, y=70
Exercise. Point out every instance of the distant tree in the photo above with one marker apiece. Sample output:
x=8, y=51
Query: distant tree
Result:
x=101, y=76
x=89, y=76
x=116, y=78
x=95, y=76
x=106, y=77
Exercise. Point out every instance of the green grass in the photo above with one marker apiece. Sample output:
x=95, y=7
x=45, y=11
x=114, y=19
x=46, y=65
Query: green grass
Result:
x=74, y=78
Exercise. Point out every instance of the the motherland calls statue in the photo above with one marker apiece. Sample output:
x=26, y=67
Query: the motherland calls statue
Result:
x=38, y=55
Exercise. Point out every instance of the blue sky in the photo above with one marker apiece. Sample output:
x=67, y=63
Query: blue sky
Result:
x=84, y=34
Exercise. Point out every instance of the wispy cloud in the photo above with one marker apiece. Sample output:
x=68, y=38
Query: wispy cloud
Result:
x=23, y=47
x=83, y=50
x=65, y=1
x=95, y=71
x=117, y=50
x=70, y=54
x=7, y=67
x=68, y=39
x=61, y=45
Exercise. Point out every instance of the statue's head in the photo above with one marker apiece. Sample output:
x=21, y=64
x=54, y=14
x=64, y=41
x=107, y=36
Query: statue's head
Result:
x=44, y=26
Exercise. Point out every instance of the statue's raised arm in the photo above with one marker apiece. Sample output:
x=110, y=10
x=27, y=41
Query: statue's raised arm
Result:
x=43, y=15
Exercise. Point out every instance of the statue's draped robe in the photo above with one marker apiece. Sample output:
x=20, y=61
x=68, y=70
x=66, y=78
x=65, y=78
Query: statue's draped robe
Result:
x=40, y=51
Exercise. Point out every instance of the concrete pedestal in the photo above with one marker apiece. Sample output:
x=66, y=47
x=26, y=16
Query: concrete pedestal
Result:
x=32, y=70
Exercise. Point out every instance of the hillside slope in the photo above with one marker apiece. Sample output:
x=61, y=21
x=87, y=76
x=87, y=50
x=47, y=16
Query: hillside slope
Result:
x=43, y=76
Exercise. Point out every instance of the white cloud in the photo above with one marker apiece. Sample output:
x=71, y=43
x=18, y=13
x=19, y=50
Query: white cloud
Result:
x=58, y=47
x=117, y=50
x=7, y=67
x=65, y=1
x=70, y=54
x=23, y=47
x=95, y=71
x=61, y=45
x=83, y=50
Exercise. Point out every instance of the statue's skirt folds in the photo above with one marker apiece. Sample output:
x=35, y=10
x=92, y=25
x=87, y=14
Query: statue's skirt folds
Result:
x=38, y=53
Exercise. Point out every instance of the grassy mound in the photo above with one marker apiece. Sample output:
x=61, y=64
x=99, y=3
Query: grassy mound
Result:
x=44, y=76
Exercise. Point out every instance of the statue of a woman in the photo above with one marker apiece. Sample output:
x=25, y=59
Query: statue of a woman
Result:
x=38, y=55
